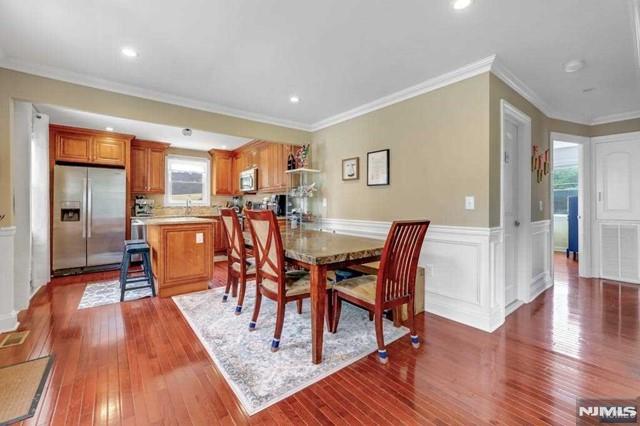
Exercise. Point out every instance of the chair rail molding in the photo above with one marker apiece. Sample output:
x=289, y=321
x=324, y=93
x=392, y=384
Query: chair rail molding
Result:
x=8, y=315
x=464, y=269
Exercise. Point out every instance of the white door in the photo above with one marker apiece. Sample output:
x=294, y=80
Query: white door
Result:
x=511, y=223
x=618, y=180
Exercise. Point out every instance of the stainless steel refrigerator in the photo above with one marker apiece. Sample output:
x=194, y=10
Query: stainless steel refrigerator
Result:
x=88, y=216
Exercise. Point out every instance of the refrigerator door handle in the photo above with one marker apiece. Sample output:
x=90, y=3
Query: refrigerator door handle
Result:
x=89, y=203
x=84, y=210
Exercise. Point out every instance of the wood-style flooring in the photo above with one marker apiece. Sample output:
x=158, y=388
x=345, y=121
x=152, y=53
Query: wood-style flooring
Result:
x=140, y=363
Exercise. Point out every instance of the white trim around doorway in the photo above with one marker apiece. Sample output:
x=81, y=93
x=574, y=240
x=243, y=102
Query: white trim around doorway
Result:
x=524, y=200
x=585, y=191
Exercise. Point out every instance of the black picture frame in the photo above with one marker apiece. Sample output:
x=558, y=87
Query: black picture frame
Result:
x=385, y=169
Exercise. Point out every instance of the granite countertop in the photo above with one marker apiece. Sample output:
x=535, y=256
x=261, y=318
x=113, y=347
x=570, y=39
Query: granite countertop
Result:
x=182, y=220
x=323, y=248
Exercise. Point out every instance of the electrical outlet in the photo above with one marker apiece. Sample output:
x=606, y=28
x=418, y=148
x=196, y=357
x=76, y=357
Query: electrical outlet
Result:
x=429, y=270
x=199, y=238
x=470, y=202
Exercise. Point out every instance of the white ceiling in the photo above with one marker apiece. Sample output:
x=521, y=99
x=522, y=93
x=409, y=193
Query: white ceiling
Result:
x=199, y=140
x=247, y=57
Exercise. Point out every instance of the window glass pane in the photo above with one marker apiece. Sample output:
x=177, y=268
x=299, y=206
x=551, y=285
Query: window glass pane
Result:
x=565, y=184
x=187, y=179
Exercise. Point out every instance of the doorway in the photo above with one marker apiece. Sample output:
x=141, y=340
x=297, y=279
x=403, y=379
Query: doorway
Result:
x=570, y=194
x=565, y=198
x=516, y=205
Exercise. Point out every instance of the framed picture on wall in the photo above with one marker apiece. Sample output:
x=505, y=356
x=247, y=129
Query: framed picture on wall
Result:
x=378, y=168
x=351, y=169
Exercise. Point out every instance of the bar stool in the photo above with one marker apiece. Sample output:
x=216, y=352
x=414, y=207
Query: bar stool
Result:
x=132, y=247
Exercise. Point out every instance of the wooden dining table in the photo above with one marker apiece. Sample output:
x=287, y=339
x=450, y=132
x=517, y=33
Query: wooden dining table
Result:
x=319, y=252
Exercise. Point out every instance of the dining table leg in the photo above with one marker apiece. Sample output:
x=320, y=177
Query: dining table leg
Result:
x=318, y=303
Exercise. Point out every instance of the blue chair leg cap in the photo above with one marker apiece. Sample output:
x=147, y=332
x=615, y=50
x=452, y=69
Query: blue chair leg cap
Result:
x=225, y=297
x=252, y=326
x=238, y=309
x=383, y=357
x=415, y=341
x=275, y=345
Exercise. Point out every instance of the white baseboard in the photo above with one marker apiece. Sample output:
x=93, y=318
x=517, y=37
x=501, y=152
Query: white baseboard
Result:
x=462, y=266
x=8, y=315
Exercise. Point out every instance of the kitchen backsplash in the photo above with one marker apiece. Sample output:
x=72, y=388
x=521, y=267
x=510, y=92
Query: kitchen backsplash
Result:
x=160, y=210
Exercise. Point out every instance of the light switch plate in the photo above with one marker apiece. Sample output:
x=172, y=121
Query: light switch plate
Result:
x=199, y=238
x=541, y=205
x=470, y=202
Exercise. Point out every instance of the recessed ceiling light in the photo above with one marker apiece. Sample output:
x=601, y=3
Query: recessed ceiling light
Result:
x=574, y=65
x=461, y=4
x=129, y=52
x=294, y=99
x=109, y=129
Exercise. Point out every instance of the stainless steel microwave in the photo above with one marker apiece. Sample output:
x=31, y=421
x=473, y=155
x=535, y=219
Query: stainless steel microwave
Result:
x=249, y=180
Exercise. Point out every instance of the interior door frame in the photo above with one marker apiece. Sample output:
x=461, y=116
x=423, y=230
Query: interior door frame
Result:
x=523, y=273
x=586, y=187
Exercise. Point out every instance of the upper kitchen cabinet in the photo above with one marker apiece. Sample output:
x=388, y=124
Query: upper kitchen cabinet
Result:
x=222, y=176
x=109, y=151
x=74, y=145
x=272, y=167
x=148, y=167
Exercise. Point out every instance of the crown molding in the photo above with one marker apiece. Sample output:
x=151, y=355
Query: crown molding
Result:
x=462, y=73
x=510, y=79
x=488, y=64
x=612, y=118
x=126, y=89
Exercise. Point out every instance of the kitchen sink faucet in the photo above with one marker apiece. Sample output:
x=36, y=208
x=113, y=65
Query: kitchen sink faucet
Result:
x=187, y=211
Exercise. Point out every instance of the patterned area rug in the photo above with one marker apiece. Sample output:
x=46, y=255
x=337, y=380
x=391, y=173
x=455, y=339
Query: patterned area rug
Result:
x=108, y=292
x=259, y=377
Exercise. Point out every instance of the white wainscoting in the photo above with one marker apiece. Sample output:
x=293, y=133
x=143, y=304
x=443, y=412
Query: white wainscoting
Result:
x=8, y=315
x=541, y=258
x=464, y=269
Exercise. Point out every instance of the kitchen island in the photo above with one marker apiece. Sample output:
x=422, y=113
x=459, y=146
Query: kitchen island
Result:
x=181, y=253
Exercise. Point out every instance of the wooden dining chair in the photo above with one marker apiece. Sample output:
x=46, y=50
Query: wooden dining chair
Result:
x=392, y=287
x=240, y=267
x=272, y=280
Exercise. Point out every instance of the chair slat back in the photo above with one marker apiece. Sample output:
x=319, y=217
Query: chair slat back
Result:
x=236, y=251
x=399, y=260
x=267, y=246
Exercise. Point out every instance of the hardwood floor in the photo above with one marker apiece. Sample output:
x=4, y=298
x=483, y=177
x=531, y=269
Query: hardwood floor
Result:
x=139, y=362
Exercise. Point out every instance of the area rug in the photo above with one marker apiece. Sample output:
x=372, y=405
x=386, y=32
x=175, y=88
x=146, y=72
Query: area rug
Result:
x=259, y=377
x=21, y=387
x=108, y=292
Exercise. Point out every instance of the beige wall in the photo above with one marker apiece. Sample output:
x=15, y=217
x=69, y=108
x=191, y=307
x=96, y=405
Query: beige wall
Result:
x=20, y=86
x=625, y=126
x=541, y=128
x=439, y=154
x=444, y=145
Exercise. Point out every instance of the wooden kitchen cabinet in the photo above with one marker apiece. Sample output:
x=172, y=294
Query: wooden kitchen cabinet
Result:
x=73, y=147
x=148, y=167
x=109, y=151
x=85, y=146
x=272, y=167
x=219, y=238
x=221, y=183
